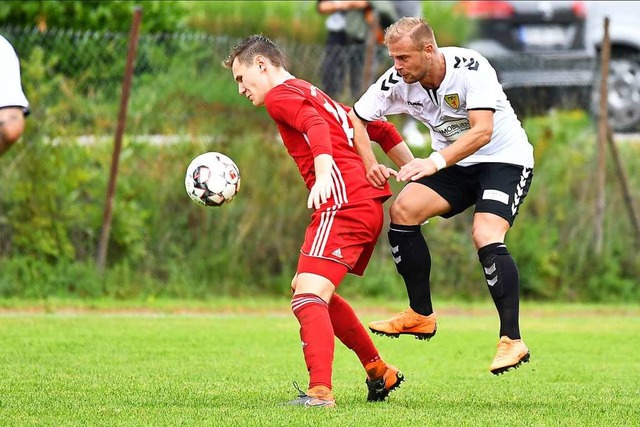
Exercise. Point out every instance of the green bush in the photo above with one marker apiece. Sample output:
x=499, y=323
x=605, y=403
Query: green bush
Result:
x=53, y=188
x=162, y=244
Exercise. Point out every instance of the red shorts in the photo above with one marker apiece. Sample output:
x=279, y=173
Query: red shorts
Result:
x=341, y=239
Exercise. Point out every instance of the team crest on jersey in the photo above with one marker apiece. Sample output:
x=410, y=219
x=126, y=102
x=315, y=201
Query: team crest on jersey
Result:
x=452, y=100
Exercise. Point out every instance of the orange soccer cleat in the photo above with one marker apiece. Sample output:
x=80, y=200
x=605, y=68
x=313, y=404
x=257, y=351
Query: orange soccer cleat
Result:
x=318, y=396
x=511, y=354
x=409, y=323
x=382, y=379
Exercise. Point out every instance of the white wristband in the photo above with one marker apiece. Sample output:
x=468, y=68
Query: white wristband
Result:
x=439, y=161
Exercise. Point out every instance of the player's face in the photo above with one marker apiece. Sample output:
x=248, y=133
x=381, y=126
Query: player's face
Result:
x=252, y=81
x=409, y=60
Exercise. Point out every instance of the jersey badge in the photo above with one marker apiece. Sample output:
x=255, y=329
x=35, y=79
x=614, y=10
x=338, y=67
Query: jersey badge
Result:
x=452, y=100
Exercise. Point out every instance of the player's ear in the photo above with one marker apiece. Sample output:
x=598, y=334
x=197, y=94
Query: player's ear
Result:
x=429, y=48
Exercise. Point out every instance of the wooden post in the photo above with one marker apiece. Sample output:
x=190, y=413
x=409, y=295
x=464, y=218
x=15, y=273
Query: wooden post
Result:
x=371, y=46
x=603, y=126
x=624, y=182
x=134, y=36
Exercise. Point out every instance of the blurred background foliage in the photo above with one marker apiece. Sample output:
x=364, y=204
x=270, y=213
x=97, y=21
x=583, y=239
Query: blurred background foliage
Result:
x=184, y=103
x=297, y=20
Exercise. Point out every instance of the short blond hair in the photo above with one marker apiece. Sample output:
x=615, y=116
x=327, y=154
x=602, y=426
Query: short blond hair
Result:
x=417, y=29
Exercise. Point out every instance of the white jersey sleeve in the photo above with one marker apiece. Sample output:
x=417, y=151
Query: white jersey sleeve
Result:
x=482, y=88
x=382, y=98
x=11, y=94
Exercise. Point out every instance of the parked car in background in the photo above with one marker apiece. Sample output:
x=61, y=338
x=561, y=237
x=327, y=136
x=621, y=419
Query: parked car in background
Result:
x=538, y=49
x=624, y=68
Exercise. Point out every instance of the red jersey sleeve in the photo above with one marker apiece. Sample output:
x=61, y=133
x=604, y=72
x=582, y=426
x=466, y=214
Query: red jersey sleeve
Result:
x=384, y=133
x=286, y=105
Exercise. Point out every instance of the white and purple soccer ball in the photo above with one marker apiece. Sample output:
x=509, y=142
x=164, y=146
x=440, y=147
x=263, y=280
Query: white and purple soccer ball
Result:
x=212, y=179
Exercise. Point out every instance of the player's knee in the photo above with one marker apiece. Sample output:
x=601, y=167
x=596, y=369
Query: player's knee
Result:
x=483, y=236
x=487, y=229
x=401, y=212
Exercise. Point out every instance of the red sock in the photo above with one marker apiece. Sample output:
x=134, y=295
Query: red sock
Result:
x=348, y=328
x=316, y=334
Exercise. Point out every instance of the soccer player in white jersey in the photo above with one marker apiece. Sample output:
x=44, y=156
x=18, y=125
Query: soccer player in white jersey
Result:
x=13, y=104
x=482, y=158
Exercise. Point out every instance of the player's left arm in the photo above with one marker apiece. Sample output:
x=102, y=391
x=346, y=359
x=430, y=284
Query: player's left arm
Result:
x=314, y=126
x=481, y=96
x=478, y=135
x=288, y=106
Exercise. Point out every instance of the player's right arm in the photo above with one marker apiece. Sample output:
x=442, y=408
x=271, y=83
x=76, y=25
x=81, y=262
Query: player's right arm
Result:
x=377, y=174
x=391, y=142
x=13, y=104
x=11, y=126
x=379, y=99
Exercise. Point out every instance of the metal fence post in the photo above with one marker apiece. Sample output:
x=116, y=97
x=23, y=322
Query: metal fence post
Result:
x=134, y=35
x=603, y=125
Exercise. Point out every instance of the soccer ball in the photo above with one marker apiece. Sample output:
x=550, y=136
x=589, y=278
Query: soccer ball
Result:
x=212, y=179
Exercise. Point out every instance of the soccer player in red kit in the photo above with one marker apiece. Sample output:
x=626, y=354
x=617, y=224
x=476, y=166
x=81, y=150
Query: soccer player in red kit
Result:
x=347, y=213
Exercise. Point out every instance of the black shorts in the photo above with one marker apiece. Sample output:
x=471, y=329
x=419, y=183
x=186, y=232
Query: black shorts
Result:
x=497, y=188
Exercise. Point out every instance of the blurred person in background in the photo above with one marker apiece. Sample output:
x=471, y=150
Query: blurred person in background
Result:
x=14, y=106
x=347, y=215
x=353, y=30
x=345, y=49
x=482, y=158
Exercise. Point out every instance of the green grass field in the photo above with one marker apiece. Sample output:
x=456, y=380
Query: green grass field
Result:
x=192, y=365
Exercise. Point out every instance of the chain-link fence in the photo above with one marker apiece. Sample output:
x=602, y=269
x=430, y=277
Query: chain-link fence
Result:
x=73, y=80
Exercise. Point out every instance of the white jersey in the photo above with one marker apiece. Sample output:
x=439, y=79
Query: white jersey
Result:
x=470, y=82
x=11, y=94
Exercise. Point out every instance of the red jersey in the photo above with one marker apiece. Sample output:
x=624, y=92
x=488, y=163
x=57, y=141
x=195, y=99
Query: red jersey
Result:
x=311, y=123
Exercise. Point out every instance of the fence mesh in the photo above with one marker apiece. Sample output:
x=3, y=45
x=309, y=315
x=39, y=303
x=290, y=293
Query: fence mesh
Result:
x=73, y=80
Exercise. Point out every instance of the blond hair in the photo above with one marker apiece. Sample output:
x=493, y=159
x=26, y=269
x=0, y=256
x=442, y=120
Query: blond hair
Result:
x=417, y=29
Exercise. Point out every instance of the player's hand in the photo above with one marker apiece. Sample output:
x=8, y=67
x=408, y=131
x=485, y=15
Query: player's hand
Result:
x=320, y=192
x=416, y=169
x=379, y=174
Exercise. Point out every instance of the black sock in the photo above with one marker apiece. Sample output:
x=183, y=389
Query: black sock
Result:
x=503, y=281
x=413, y=261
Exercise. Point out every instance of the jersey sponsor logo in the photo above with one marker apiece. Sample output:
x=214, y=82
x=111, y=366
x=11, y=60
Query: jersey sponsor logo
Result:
x=452, y=100
x=414, y=104
x=391, y=80
x=497, y=195
x=337, y=253
x=453, y=129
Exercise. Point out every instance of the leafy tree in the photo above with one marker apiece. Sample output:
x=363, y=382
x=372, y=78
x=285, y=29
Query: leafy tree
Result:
x=114, y=16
